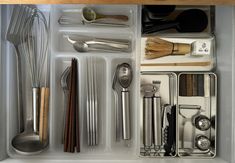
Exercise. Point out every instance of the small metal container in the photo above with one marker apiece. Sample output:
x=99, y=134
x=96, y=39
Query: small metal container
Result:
x=202, y=142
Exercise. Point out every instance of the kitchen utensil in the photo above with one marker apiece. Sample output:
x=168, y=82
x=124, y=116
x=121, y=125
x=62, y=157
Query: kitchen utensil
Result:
x=148, y=90
x=71, y=130
x=202, y=122
x=192, y=20
x=156, y=12
x=19, y=16
x=44, y=109
x=89, y=15
x=64, y=82
x=35, y=36
x=92, y=102
x=124, y=77
x=178, y=64
x=103, y=45
x=157, y=117
x=202, y=142
x=169, y=129
x=117, y=110
x=157, y=47
x=66, y=20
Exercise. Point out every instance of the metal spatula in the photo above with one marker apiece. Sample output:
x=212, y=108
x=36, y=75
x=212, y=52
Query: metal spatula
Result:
x=14, y=35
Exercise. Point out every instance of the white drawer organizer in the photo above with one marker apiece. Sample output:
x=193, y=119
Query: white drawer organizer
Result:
x=62, y=52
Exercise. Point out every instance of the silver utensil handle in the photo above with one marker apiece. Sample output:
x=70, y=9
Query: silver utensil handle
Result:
x=118, y=45
x=36, y=96
x=126, y=115
x=157, y=121
x=147, y=109
x=19, y=91
x=65, y=20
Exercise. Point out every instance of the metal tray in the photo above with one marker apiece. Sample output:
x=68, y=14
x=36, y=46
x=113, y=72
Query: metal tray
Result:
x=196, y=100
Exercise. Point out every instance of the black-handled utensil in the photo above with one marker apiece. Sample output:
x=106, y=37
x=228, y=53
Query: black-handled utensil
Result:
x=192, y=20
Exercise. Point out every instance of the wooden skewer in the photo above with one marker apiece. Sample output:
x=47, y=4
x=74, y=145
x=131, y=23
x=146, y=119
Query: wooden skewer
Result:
x=178, y=64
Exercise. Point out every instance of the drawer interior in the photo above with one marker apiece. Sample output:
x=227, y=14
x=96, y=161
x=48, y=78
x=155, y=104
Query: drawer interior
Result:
x=61, y=53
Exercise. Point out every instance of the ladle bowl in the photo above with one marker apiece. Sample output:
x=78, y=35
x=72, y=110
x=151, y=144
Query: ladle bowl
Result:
x=28, y=143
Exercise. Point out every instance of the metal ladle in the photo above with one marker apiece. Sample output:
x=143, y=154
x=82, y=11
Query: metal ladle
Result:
x=89, y=16
x=28, y=142
x=124, y=77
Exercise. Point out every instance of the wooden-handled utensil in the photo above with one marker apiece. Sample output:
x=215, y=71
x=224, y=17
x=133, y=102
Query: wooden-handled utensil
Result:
x=156, y=48
x=44, y=109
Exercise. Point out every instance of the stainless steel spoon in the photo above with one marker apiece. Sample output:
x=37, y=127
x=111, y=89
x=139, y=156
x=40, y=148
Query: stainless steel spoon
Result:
x=100, y=45
x=124, y=77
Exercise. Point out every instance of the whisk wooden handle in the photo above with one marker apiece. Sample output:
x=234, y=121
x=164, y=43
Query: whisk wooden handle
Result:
x=181, y=49
x=44, y=108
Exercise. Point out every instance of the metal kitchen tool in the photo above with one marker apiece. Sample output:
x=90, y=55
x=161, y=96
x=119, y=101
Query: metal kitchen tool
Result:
x=14, y=35
x=163, y=116
x=148, y=90
x=35, y=39
x=117, y=110
x=66, y=20
x=169, y=130
x=64, y=82
x=89, y=15
x=157, y=117
x=202, y=122
x=92, y=102
x=102, y=45
x=202, y=142
x=124, y=78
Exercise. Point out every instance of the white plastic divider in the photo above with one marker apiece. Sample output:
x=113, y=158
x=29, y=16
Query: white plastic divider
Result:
x=61, y=54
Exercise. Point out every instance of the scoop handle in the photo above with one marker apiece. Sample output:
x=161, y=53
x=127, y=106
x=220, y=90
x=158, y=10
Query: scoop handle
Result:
x=123, y=18
x=125, y=96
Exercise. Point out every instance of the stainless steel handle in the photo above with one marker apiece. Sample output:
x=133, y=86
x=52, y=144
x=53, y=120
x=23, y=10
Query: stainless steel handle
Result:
x=157, y=121
x=126, y=130
x=107, y=43
x=148, y=128
x=19, y=92
x=36, y=96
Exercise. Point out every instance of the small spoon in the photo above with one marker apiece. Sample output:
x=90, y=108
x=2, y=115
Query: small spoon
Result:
x=89, y=15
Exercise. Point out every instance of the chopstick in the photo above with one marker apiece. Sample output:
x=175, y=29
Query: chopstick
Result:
x=71, y=134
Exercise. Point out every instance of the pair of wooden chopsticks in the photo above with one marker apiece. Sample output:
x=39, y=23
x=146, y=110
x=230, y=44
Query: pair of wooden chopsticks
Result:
x=71, y=133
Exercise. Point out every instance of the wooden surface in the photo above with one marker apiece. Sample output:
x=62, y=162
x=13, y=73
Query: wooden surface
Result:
x=180, y=2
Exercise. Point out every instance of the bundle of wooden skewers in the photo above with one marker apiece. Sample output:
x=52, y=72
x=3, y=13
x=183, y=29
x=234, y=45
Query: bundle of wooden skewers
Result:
x=71, y=132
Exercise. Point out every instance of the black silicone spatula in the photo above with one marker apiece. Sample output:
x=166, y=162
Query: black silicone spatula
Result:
x=192, y=20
